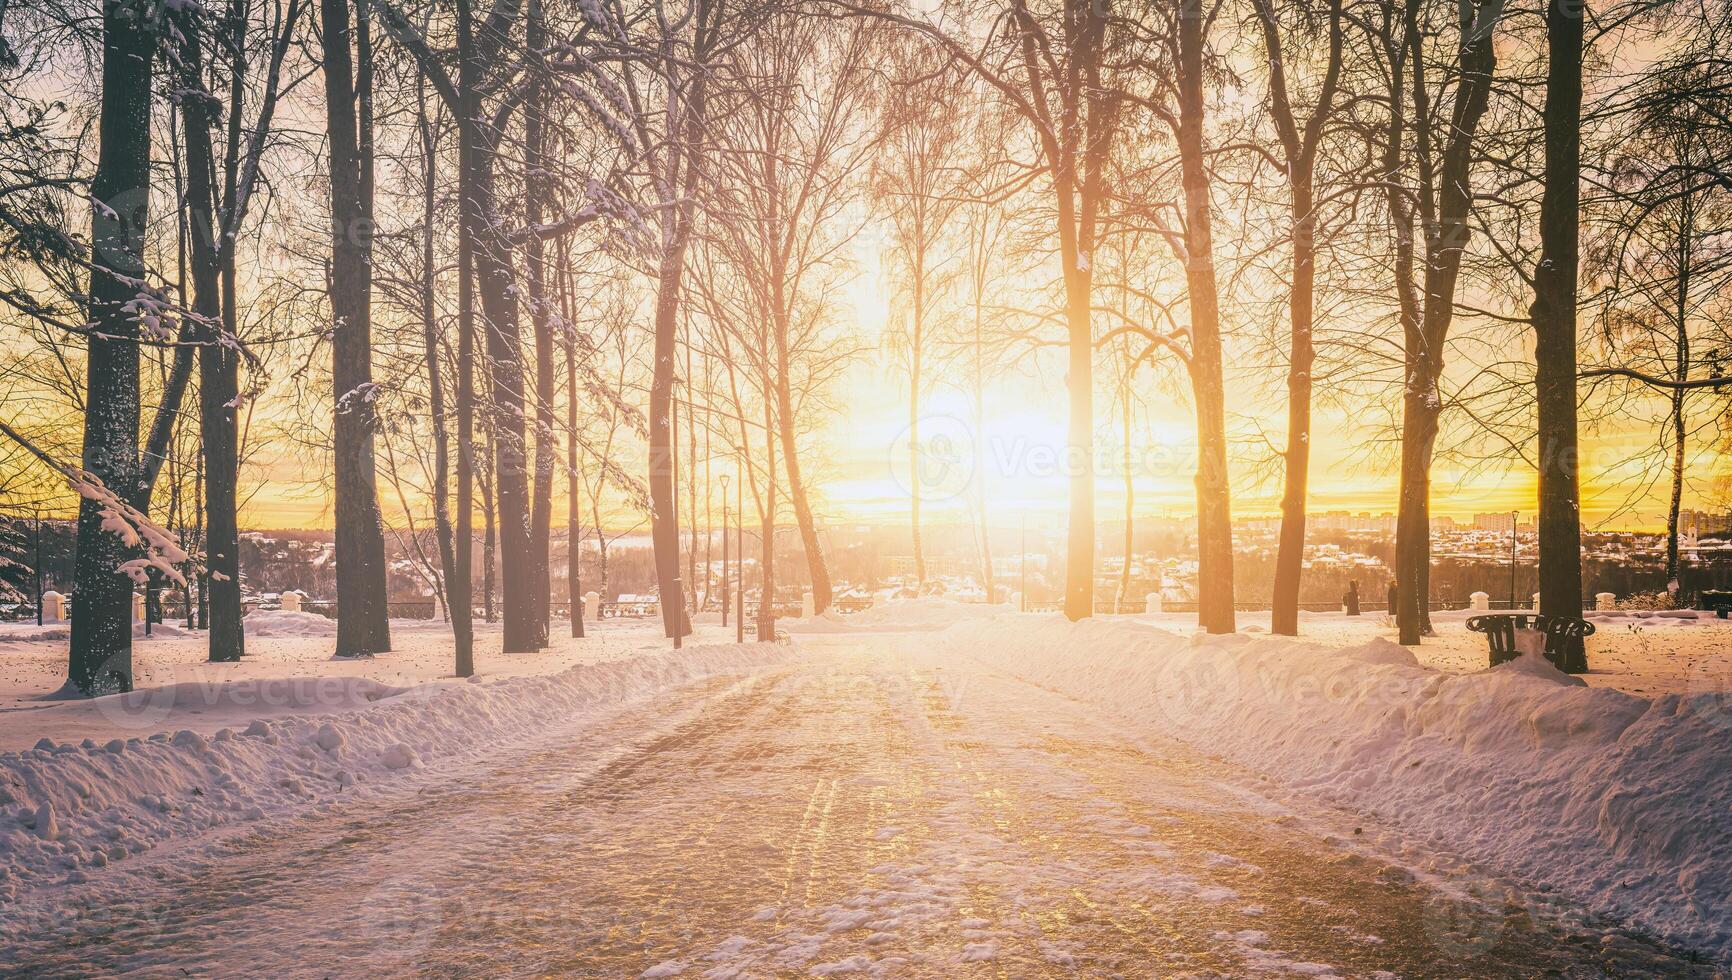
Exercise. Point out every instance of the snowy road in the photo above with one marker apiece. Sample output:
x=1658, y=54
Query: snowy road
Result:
x=866, y=808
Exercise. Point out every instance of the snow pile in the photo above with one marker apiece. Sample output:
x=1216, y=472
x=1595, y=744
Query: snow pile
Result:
x=923, y=614
x=281, y=622
x=68, y=809
x=31, y=633
x=1620, y=803
x=1657, y=617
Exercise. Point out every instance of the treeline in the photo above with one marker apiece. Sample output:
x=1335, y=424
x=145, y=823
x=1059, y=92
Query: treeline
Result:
x=469, y=261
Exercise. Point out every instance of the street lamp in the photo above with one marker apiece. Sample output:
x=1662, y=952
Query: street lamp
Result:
x=1512, y=559
x=740, y=541
x=37, y=571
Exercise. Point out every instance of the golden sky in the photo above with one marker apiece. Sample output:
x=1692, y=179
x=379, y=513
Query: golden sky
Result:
x=859, y=456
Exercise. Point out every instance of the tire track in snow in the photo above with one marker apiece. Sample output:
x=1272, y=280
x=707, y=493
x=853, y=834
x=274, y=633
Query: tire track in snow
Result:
x=864, y=809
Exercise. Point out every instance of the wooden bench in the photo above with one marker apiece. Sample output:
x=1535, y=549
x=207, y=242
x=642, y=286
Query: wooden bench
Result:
x=1564, y=638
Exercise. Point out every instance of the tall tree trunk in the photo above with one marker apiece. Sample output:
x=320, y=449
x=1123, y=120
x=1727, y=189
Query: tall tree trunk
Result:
x=664, y=526
x=198, y=510
x=1413, y=509
x=709, y=498
x=601, y=556
x=1079, y=584
x=455, y=577
x=363, y=624
x=1680, y=372
x=100, y=658
x=685, y=114
x=219, y=364
x=573, y=499
x=980, y=469
x=219, y=393
x=463, y=536
x=691, y=579
x=490, y=255
x=489, y=552
x=1446, y=201
x=509, y=436
x=1214, y=505
x=1554, y=317
x=1076, y=243
x=1418, y=414
x=1299, y=147
x=1674, y=505
x=1077, y=154
x=1130, y=498
x=767, y=531
x=537, y=189
x=808, y=525
x=916, y=346
x=1290, y=549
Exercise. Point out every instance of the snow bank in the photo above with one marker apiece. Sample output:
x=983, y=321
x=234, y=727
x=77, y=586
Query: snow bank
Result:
x=62, y=633
x=281, y=622
x=68, y=809
x=1620, y=803
x=903, y=615
x=31, y=633
x=1679, y=617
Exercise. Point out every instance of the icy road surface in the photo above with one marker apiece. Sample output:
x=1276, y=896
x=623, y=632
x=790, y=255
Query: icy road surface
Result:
x=867, y=809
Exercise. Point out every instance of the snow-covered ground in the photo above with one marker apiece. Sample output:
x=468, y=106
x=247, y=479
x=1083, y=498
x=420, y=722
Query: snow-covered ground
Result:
x=929, y=789
x=1647, y=653
x=210, y=746
x=1616, y=802
x=288, y=670
x=924, y=614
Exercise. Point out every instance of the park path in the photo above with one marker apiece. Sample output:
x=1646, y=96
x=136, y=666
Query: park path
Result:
x=867, y=808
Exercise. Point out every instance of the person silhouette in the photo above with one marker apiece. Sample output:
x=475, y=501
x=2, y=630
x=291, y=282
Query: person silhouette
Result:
x=1351, y=599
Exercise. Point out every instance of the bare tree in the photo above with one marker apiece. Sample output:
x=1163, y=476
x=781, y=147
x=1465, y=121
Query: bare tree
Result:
x=100, y=661
x=1203, y=360
x=1299, y=141
x=1666, y=259
x=363, y=628
x=1554, y=316
x=1428, y=154
x=681, y=59
x=788, y=160
x=986, y=226
x=1047, y=67
x=920, y=188
x=487, y=275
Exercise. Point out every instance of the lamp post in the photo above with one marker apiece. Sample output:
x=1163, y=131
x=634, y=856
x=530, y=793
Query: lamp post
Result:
x=1512, y=559
x=725, y=533
x=38, y=570
x=740, y=541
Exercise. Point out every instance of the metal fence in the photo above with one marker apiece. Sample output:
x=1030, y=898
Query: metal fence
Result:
x=1109, y=607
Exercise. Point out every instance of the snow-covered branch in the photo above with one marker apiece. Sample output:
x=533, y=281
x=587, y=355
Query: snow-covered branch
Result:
x=161, y=549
